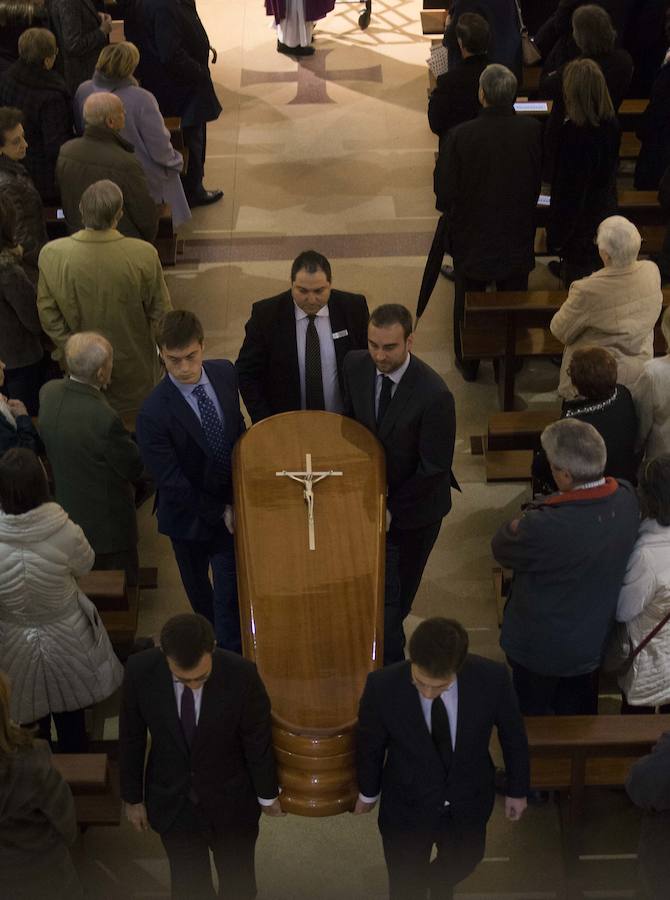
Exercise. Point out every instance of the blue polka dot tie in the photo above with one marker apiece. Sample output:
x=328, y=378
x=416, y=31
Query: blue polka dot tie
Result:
x=214, y=429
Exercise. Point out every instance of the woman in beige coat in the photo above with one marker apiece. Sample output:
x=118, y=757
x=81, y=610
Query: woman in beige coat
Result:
x=615, y=308
x=53, y=645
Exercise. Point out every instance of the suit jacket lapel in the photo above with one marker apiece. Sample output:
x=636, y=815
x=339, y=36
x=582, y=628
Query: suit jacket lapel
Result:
x=416, y=722
x=467, y=700
x=402, y=394
x=286, y=338
x=368, y=387
x=185, y=414
x=211, y=703
x=166, y=697
x=338, y=322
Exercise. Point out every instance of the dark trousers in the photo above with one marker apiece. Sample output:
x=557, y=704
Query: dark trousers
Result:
x=187, y=844
x=546, y=695
x=407, y=552
x=195, y=141
x=517, y=281
x=127, y=560
x=70, y=728
x=215, y=599
x=24, y=384
x=411, y=875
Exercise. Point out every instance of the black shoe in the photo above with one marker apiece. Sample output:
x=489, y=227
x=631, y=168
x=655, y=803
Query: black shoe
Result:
x=448, y=273
x=205, y=198
x=468, y=369
x=294, y=51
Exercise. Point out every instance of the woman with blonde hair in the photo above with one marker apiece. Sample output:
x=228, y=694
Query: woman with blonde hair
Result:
x=37, y=816
x=144, y=126
x=583, y=186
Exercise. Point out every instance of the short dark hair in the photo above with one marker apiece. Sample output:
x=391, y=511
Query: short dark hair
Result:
x=654, y=489
x=592, y=30
x=474, y=33
x=593, y=371
x=7, y=224
x=36, y=45
x=186, y=637
x=439, y=646
x=10, y=117
x=23, y=482
x=392, y=314
x=311, y=262
x=179, y=328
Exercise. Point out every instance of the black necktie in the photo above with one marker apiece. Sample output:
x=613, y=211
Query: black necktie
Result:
x=439, y=726
x=187, y=714
x=313, y=378
x=384, y=399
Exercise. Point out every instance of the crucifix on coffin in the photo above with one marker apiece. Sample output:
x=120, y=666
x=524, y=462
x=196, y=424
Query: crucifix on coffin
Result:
x=308, y=479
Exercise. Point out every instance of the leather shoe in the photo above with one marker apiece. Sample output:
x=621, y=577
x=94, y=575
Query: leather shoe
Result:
x=468, y=368
x=294, y=51
x=205, y=198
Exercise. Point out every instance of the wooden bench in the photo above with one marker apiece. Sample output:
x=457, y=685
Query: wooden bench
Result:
x=508, y=465
x=433, y=20
x=121, y=624
x=569, y=754
x=508, y=325
x=106, y=589
x=94, y=787
x=519, y=430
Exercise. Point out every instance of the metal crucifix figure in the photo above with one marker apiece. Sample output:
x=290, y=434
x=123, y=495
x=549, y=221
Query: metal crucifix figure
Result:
x=308, y=479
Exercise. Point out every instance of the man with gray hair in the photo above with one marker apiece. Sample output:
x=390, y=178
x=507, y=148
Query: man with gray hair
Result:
x=568, y=552
x=101, y=153
x=99, y=280
x=487, y=181
x=94, y=460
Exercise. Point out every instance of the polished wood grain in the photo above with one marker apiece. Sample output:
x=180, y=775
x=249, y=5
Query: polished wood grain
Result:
x=106, y=589
x=311, y=620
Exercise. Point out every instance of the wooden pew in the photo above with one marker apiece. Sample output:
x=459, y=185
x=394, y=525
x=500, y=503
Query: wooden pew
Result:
x=519, y=430
x=569, y=754
x=118, y=605
x=94, y=788
x=433, y=20
x=106, y=589
x=628, y=115
x=506, y=325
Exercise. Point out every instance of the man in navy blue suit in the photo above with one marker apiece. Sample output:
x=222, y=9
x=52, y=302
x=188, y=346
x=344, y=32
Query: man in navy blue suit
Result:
x=186, y=431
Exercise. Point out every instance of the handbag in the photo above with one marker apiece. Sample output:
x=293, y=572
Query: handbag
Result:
x=529, y=52
x=620, y=653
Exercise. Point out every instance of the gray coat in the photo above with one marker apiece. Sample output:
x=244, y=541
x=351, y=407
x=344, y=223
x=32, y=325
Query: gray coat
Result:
x=53, y=645
x=37, y=822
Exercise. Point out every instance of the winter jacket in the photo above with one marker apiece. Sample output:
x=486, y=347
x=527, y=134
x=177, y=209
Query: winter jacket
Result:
x=644, y=600
x=53, y=645
x=20, y=330
x=651, y=395
x=17, y=187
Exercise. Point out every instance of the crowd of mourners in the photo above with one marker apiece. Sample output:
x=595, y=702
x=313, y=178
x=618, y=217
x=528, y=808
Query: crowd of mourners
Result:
x=97, y=370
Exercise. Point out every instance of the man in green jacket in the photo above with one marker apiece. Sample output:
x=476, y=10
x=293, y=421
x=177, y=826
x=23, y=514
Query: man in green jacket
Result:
x=100, y=280
x=94, y=459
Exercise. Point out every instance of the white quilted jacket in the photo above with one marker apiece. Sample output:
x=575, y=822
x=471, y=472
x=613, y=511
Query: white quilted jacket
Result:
x=52, y=644
x=644, y=600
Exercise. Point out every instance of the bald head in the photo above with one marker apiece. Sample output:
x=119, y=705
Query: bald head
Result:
x=88, y=357
x=105, y=110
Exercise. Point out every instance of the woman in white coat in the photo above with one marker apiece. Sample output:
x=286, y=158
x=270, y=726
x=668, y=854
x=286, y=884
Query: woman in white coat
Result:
x=53, y=645
x=644, y=600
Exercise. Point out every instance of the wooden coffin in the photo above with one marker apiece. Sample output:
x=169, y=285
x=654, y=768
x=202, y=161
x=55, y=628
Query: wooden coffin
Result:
x=311, y=619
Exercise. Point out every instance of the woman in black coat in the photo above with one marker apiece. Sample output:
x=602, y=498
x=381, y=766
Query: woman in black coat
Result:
x=594, y=38
x=16, y=426
x=31, y=85
x=583, y=186
x=654, y=130
x=607, y=406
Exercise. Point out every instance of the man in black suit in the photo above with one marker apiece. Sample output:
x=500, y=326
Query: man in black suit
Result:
x=295, y=343
x=186, y=430
x=210, y=769
x=411, y=410
x=487, y=181
x=424, y=728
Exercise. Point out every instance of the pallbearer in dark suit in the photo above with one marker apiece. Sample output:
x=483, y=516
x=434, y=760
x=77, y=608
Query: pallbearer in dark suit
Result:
x=295, y=343
x=186, y=430
x=411, y=410
x=424, y=728
x=210, y=769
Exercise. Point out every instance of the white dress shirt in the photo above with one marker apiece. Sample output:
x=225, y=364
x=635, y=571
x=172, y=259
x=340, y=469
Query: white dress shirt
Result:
x=331, y=386
x=450, y=700
x=395, y=378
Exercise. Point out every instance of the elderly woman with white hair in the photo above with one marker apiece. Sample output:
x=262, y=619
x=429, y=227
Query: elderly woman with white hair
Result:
x=615, y=307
